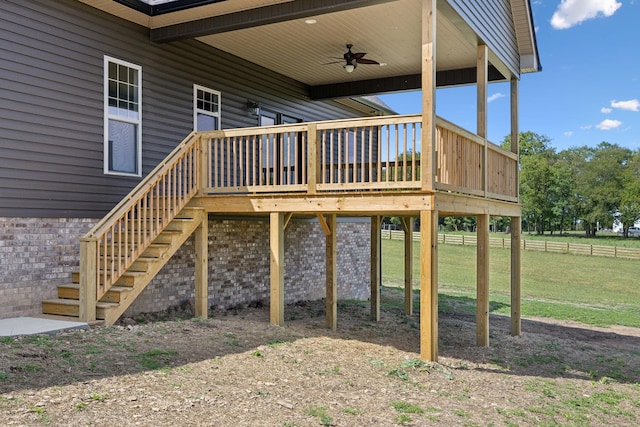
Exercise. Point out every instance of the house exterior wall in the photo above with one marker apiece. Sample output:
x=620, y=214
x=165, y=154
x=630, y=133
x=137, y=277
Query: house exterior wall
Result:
x=52, y=184
x=492, y=20
x=52, y=115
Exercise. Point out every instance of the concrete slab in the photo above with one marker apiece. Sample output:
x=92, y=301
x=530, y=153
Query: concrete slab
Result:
x=36, y=325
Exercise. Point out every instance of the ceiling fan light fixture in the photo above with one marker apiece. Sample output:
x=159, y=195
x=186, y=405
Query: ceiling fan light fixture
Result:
x=349, y=68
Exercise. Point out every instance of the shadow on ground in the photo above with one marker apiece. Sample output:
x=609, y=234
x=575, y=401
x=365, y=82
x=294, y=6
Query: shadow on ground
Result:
x=546, y=348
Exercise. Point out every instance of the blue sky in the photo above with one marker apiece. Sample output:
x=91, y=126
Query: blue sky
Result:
x=589, y=87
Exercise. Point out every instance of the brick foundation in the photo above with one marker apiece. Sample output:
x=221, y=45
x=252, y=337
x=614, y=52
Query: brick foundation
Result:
x=38, y=254
x=239, y=265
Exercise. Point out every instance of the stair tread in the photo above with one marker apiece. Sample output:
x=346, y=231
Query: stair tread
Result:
x=111, y=289
x=72, y=302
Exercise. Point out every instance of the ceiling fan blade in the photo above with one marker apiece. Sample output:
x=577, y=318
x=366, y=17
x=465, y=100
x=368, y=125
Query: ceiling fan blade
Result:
x=333, y=62
x=359, y=55
x=367, y=61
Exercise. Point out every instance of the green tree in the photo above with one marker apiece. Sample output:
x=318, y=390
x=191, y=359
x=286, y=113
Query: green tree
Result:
x=629, y=208
x=539, y=190
x=602, y=184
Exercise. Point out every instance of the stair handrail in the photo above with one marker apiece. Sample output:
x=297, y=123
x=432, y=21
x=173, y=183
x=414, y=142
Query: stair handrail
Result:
x=116, y=241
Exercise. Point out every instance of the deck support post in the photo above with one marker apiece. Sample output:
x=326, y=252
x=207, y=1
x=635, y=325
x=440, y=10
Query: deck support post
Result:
x=428, y=129
x=201, y=238
x=482, y=84
x=407, y=226
x=88, y=279
x=331, y=271
x=515, y=132
x=276, y=246
x=515, y=276
x=516, y=222
x=429, y=285
x=376, y=222
x=482, y=292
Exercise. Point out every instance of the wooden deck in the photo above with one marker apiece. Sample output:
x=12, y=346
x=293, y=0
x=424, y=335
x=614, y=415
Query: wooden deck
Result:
x=371, y=167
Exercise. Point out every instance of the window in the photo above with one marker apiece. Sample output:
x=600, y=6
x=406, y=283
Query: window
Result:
x=206, y=109
x=123, y=117
x=284, y=152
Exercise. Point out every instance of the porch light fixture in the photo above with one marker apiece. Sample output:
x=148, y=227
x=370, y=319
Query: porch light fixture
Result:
x=253, y=108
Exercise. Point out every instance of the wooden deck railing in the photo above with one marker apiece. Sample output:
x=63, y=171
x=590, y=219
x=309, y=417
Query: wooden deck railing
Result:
x=461, y=164
x=368, y=154
x=113, y=244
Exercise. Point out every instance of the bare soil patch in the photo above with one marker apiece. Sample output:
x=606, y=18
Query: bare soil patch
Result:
x=235, y=370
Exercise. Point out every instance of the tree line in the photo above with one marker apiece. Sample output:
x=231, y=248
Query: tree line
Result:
x=583, y=187
x=580, y=188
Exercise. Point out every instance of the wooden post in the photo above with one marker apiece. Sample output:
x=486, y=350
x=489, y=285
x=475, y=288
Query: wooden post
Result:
x=376, y=221
x=482, y=294
x=276, y=245
x=515, y=142
x=429, y=285
x=88, y=279
x=313, y=158
x=515, y=276
x=516, y=222
x=201, y=238
x=332, y=273
x=204, y=165
x=407, y=226
x=428, y=129
x=482, y=83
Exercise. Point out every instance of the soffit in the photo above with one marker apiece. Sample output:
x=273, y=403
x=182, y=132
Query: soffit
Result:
x=390, y=32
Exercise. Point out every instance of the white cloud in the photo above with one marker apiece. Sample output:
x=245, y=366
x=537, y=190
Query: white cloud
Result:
x=568, y=133
x=609, y=124
x=587, y=127
x=495, y=96
x=631, y=105
x=573, y=12
x=605, y=110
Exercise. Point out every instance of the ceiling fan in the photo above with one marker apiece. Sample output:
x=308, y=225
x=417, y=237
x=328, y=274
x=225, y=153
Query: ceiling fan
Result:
x=352, y=60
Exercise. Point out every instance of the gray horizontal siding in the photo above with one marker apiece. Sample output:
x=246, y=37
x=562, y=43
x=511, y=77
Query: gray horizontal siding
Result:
x=51, y=103
x=492, y=20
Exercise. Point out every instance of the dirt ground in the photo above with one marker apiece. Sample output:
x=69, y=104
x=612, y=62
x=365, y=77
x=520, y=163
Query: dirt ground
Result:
x=235, y=370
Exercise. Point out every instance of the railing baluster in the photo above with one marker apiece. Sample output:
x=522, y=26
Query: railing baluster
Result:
x=404, y=152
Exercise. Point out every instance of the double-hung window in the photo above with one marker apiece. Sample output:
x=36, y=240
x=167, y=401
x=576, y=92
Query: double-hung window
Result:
x=206, y=109
x=123, y=117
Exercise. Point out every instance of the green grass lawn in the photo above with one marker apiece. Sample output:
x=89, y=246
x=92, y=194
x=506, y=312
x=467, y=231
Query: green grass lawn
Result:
x=595, y=290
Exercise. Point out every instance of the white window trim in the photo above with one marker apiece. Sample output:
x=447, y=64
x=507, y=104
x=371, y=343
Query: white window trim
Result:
x=196, y=110
x=107, y=117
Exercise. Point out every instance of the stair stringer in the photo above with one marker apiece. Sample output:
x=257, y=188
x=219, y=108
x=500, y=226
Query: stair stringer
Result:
x=113, y=313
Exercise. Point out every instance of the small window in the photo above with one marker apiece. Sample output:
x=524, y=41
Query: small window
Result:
x=123, y=117
x=206, y=109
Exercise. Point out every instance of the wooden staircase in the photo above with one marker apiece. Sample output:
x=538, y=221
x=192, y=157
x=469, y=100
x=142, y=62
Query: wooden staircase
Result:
x=130, y=284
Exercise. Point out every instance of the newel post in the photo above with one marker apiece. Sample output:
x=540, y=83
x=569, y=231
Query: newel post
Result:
x=88, y=278
x=313, y=158
x=203, y=164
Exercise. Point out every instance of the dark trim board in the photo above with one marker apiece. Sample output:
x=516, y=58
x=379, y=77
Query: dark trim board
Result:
x=251, y=18
x=460, y=77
